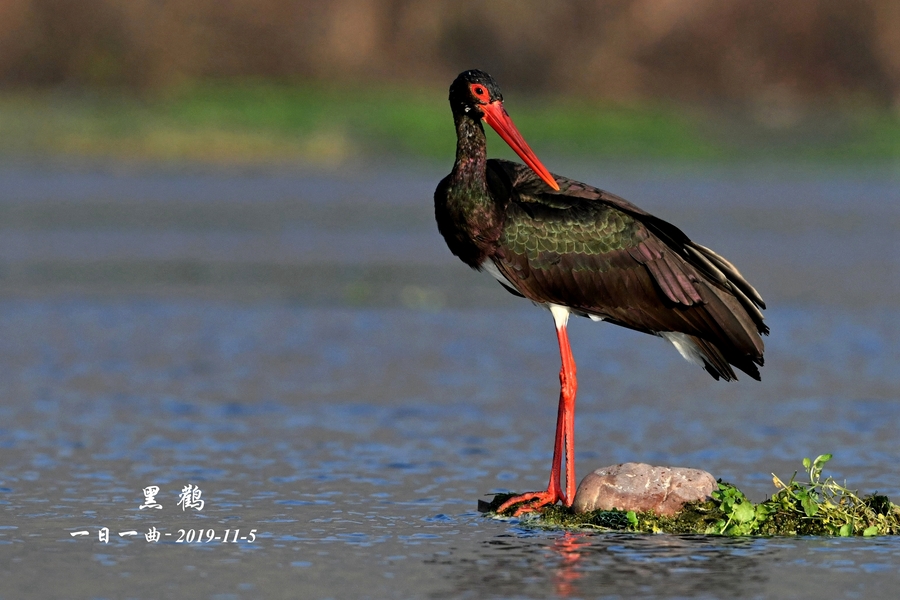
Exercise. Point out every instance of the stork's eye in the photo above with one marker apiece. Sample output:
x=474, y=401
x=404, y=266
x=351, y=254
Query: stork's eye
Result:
x=480, y=92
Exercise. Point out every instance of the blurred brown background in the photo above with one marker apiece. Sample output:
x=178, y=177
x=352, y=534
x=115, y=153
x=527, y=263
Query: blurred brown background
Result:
x=736, y=51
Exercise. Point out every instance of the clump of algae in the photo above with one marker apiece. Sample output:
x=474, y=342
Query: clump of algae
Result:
x=817, y=507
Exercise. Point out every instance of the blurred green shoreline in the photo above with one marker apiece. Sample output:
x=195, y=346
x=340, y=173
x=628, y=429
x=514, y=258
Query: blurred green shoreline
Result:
x=318, y=125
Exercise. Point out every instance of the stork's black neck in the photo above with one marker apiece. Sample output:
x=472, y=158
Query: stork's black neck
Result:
x=469, y=170
x=468, y=214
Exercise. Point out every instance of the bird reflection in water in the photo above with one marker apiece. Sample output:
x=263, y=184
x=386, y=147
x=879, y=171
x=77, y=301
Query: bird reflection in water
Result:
x=571, y=548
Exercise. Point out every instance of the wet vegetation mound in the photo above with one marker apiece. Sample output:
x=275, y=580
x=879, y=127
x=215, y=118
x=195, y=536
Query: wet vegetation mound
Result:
x=817, y=507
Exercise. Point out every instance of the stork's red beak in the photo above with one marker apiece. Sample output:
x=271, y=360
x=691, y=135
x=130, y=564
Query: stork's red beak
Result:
x=496, y=116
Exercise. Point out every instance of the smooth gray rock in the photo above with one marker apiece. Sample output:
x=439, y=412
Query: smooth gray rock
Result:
x=641, y=487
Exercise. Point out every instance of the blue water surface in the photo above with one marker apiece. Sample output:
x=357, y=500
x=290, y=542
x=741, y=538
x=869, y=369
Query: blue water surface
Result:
x=342, y=388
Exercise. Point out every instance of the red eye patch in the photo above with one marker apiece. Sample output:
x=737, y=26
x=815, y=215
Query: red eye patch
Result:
x=480, y=92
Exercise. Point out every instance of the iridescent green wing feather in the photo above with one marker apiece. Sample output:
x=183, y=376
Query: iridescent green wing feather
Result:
x=600, y=255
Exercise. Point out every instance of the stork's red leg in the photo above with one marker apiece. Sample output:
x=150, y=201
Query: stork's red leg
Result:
x=564, y=446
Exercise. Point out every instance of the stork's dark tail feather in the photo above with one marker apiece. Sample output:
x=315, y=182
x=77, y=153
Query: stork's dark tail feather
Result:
x=720, y=269
x=735, y=306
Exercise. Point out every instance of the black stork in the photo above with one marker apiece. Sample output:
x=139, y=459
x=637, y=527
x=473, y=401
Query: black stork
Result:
x=576, y=249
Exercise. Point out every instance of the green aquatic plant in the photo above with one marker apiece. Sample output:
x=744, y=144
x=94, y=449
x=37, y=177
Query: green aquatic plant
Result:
x=817, y=507
x=825, y=507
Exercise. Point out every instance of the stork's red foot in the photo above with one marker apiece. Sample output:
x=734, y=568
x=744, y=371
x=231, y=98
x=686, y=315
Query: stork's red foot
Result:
x=532, y=501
